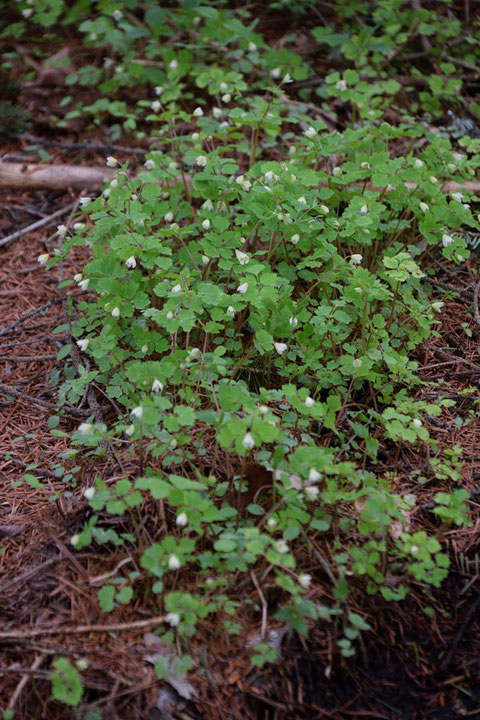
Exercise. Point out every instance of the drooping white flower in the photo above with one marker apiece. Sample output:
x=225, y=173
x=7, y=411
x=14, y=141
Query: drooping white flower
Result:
x=130, y=430
x=84, y=428
x=312, y=492
x=293, y=322
x=417, y=423
x=84, y=201
x=251, y=46
x=437, y=306
x=206, y=224
x=176, y=288
x=144, y=348
x=447, y=240
x=114, y=183
x=131, y=262
x=294, y=239
x=280, y=347
x=341, y=85
x=423, y=206
x=282, y=547
x=433, y=179
x=168, y=217
x=158, y=90
x=83, y=284
x=182, y=519
x=309, y=401
x=83, y=344
x=173, y=562
x=365, y=165
x=207, y=205
x=304, y=579
x=157, y=386
x=156, y=106
x=457, y=196
x=314, y=475
x=414, y=549
x=111, y=161
x=302, y=201
x=81, y=664
x=169, y=315
x=27, y=12
x=272, y=522
x=310, y=132
x=195, y=136
x=149, y=164
x=62, y=230
x=217, y=112
x=287, y=79
x=418, y=163
x=205, y=259
x=248, y=442
x=364, y=209
x=138, y=412
x=117, y=14
x=173, y=619
x=194, y=353
x=223, y=87
x=357, y=363
x=89, y=493
x=43, y=258
x=74, y=540
x=242, y=289
x=226, y=98
x=242, y=257
x=275, y=73
x=356, y=258
x=231, y=311
x=173, y=65
x=201, y=161
x=116, y=312
x=198, y=112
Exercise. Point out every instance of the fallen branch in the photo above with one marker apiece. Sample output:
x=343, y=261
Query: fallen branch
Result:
x=35, y=225
x=19, y=176
x=82, y=629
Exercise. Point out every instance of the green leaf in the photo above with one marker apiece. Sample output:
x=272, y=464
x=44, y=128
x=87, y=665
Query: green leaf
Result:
x=105, y=598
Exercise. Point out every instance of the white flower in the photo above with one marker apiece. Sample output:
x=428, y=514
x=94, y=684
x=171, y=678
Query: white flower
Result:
x=106, y=193
x=312, y=492
x=302, y=201
x=173, y=65
x=84, y=201
x=182, y=519
x=130, y=430
x=287, y=79
x=83, y=344
x=81, y=664
x=275, y=73
x=116, y=312
x=226, y=98
x=337, y=171
x=242, y=289
x=168, y=217
x=314, y=475
x=89, y=493
x=84, y=428
x=240, y=179
x=457, y=196
x=117, y=14
x=173, y=444
x=173, y=619
x=144, y=348
x=201, y=161
x=207, y=205
x=437, y=306
x=43, y=258
x=114, y=183
x=223, y=87
x=156, y=106
x=414, y=549
x=433, y=179
x=270, y=178
x=138, y=412
x=282, y=547
x=198, y=112
x=176, y=288
x=365, y=165
x=173, y=562
x=309, y=401
x=293, y=322
x=149, y=164
x=242, y=257
x=169, y=315
x=417, y=423
x=310, y=132
x=272, y=522
x=158, y=90
x=324, y=209
x=280, y=347
x=341, y=85
x=364, y=209
x=111, y=161
x=295, y=238
x=131, y=262
x=27, y=12
x=458, y=157
x=74, y=540
x=217, y=112
x=195, y=136
x=423, y=206
x=231, y=311
x=194, y=353
x=356, y=258
x=447, y=240
x=251, y=46
x=83, y=284
x=206, y=224
x=157, y=386
x=61, y=230
x=305, y=579
x=418, y=163
x=357, y=363
x=248, y=442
